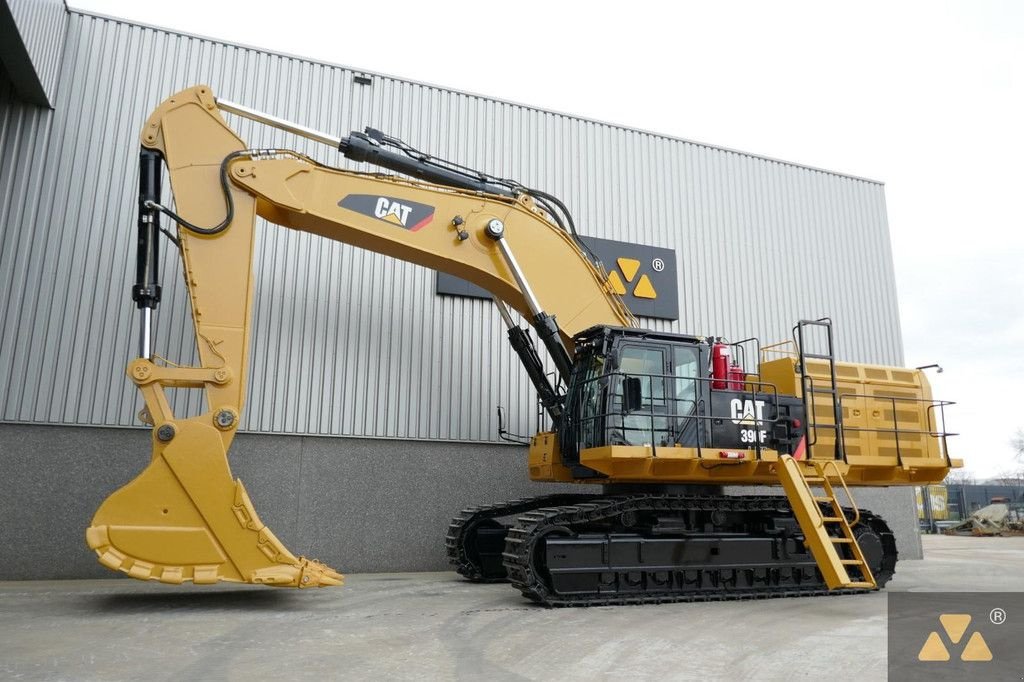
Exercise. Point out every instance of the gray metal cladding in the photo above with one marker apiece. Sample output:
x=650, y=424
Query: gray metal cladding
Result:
x=348, y=342
x=41, y=24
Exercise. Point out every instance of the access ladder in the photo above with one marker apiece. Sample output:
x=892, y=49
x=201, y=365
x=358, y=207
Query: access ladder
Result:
x=826, y=547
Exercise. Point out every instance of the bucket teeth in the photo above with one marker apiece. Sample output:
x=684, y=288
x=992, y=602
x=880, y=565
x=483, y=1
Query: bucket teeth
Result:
x=325, y=575
x=306, y=573
x=301, y=572
x=172, y=575
x=112, y=559
x=141, y=570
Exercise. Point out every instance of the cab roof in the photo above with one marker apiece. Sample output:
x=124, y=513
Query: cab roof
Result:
x=599, y=332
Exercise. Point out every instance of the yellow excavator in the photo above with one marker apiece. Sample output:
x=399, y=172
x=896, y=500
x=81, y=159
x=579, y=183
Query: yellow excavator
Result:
x=656, y=423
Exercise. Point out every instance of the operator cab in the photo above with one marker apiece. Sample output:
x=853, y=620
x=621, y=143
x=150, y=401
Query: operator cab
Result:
x=632, y=387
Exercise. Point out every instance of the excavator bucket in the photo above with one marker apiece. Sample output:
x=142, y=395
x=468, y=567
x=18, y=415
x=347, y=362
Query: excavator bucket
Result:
x=184, y=518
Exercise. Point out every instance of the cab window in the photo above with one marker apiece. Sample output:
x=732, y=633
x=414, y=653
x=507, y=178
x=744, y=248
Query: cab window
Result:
x=686, y=370
x=649, y=365
x=590, y=402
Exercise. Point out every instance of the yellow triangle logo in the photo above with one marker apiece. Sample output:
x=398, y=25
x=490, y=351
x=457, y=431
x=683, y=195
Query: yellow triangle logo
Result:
x=976, y=649
x=955, y=625
x=391, y=217
x=933, y=649
x=644, y=288
x=629, y=266
x=615, y=282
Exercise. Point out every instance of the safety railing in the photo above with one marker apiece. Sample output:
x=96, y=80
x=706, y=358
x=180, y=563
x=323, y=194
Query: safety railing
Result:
x=933, y=430
x=595, y=429
x=785, y=348
x=681, y=410
x=740, y=355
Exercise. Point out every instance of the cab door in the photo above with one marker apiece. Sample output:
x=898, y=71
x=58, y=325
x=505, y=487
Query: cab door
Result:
x=650, y=423
x=686, y=395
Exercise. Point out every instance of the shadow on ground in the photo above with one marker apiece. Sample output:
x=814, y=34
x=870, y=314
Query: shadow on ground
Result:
x=228, y=600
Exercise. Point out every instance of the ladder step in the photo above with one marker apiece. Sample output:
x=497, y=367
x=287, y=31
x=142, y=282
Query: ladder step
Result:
x=852, y=562
x=818, y=356
x=831, y=391
x=814, y=479
x=832, y=519
x=860, y=584
x=842, y=541
x=823, y=499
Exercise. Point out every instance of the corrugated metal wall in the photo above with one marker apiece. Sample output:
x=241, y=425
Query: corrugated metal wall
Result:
x=348, y=342
x=42, y=24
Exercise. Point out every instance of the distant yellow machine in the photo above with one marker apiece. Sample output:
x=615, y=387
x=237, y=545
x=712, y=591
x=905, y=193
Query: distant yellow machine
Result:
x=659, y=421
x=938, y=498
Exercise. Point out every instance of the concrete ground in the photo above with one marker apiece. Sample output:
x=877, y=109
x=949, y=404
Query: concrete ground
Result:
x=434, y=626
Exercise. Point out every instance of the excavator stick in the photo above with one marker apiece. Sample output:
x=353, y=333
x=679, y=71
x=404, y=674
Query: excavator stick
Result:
x=185, y=517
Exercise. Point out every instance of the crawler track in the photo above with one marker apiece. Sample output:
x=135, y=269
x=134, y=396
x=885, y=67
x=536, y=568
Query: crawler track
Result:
x=593, y=550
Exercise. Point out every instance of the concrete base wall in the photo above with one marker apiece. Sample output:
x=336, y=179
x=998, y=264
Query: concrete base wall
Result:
x=359, y=505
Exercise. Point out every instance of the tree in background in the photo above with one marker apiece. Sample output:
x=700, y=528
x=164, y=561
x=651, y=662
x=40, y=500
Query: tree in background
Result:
x=1014, y=476
x=959, y=477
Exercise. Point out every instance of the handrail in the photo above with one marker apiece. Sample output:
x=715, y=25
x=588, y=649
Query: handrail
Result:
x=821, y=466
x=702, y=410
x=941, y=404
x=898, y=397
x=741, y=354
x=790, y=463
x=774, y=348
x=897, y=431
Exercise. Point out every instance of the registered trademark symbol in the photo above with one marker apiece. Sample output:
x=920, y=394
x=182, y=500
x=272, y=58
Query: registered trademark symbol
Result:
x=658, y=264
x=997, y=616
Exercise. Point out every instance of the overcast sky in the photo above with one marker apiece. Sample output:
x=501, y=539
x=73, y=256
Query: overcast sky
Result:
x=927, y=97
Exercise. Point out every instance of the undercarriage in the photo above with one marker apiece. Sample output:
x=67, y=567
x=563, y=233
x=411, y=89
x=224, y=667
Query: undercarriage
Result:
x=593, y=550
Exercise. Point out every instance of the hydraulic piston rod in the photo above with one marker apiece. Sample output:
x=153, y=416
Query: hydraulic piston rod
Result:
x=146, y=291
x=283, y=124
x=364, y=147
x=545, y=324
x=519, y=338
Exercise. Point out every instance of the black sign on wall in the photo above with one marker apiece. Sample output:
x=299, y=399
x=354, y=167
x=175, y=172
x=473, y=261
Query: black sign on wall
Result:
x=645, y=277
